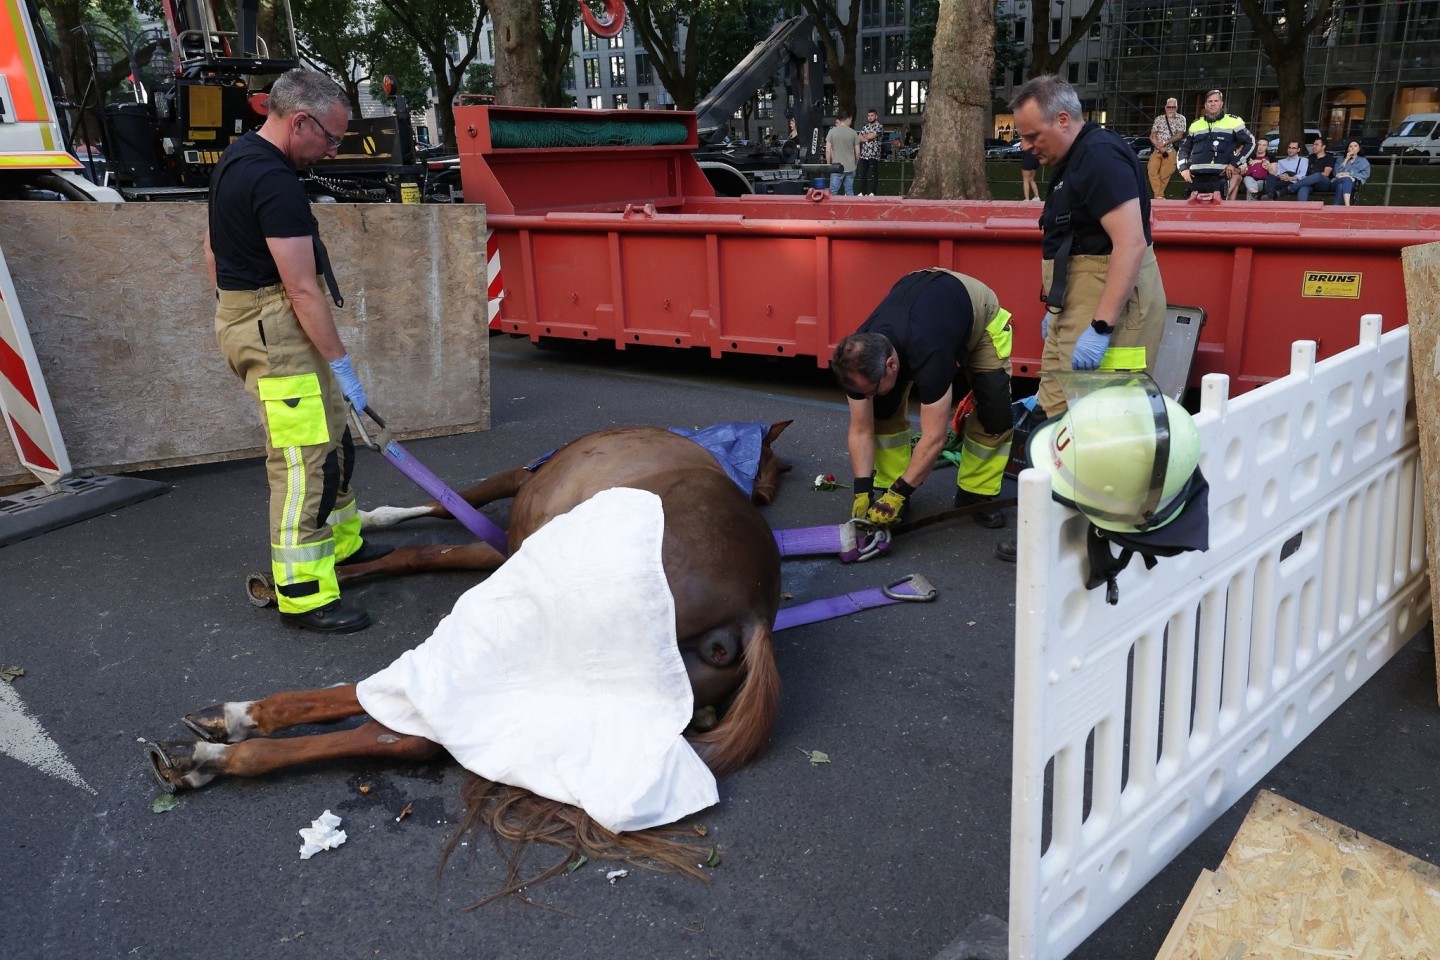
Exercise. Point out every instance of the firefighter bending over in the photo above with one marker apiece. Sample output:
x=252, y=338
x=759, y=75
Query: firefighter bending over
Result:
x=939, y=334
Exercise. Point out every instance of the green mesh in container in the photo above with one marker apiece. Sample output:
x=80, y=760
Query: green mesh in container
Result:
x=519, y=133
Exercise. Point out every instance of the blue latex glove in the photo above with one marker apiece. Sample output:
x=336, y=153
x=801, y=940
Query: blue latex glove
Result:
x=344, y=371
x=1045, y=326
x=1089, y=349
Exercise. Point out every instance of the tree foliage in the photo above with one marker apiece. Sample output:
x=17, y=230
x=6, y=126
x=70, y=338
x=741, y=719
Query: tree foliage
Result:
x=433, y=26
x=718, y=35
x=1284, y=34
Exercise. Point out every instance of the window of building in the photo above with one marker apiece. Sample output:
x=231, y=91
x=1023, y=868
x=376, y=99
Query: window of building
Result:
x=592, y=72
x=869, y=54
x=894, y=52
x=490, y=43
x=593, y=101
x=1017, y=74
x=644, y=99
x=1056, y=27
x=894, y=13
x=643, y=74
x=919, y=89
x=1095, y=29
x=1092, y=71
x=870, y=13
x=617, y=42
x=617, y=71
x=764, y=104
x=570, y=81
x=1072, y=72
x=895, y=97
x=1019, y=29
x=587, y=39
x=1075, y=25
x=621, y=101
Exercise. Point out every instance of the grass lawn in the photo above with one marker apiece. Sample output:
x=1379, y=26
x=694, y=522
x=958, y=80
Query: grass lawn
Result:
x=1416, y=185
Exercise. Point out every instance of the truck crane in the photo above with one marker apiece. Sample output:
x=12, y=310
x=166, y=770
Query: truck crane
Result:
x=790, y=52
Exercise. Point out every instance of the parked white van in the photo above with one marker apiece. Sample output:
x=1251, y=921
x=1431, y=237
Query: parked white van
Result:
x=1418, y=135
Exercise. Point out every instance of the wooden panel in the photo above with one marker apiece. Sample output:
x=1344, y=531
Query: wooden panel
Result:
x=1422, y=294
x=1295, y=884
x=122, y=316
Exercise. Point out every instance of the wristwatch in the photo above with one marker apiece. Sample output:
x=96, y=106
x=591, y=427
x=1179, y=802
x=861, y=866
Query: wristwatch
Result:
x=1102, y=328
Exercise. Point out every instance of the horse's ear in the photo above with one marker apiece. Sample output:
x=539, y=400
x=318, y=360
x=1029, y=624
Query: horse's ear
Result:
x=775, y=430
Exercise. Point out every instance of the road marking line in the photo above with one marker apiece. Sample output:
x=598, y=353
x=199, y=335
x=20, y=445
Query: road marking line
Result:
x=22, y=737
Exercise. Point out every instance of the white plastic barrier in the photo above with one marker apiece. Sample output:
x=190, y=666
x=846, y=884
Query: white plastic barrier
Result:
x=1137, y=725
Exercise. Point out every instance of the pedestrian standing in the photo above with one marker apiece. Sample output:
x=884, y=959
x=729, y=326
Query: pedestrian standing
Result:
x=1165, y=133
x=277, y=332
x=842, y=146
x=867, y=174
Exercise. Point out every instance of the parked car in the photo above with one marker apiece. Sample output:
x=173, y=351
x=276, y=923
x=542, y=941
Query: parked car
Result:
x=993, y=144
x=1142, y=147
x=1008, y=151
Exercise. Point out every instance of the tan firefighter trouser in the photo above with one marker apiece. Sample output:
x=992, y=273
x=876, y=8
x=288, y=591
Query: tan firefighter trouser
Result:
x=1133, y=345
x=982, y=454
x=308, y=453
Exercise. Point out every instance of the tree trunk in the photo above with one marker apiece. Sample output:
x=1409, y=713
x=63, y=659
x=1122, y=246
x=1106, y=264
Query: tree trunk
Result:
x=518, y=77
x=1290, y=81
x=951, y=166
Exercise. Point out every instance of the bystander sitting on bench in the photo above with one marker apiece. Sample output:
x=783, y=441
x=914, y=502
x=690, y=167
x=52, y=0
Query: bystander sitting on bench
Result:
x=1258, y=170
x=1350, y=173
x=1322, y=167
x=1286, y=170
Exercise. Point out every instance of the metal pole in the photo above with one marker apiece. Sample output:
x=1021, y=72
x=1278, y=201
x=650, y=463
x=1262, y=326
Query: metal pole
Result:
x=1390, y=178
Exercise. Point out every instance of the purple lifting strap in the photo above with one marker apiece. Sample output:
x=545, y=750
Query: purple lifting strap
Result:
x=474, y=521
x=911, y=589
x=802, y=541
x=850, y=541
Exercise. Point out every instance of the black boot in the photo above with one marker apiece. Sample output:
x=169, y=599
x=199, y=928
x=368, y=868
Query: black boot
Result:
x=1006, y=550
x=990, y=519
x=331, y=618
x=368, y=551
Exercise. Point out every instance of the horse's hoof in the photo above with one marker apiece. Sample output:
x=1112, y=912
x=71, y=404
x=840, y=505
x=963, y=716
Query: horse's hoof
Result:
x=209, y=724
x=175, y=765
x=260, y=589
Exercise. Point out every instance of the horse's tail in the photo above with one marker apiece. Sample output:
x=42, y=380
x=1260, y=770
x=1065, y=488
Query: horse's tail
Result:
x=745, y=728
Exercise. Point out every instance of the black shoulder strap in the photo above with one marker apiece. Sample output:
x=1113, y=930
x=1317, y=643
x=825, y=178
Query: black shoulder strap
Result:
x=1059, y=203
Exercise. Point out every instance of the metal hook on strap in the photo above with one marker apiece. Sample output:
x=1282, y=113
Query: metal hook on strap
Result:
x=377, y=443
x=924, y=590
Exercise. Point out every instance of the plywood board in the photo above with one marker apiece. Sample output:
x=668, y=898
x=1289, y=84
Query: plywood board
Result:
x=1297, y=885
x=1422, y=297
x=119, y=306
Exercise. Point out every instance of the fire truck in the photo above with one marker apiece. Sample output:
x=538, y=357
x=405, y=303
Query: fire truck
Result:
x=164, y=144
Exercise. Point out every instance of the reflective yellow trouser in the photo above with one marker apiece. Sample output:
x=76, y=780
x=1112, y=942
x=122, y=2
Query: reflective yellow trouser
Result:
x=308, y=456
x=983, y=454
x=1133, y=345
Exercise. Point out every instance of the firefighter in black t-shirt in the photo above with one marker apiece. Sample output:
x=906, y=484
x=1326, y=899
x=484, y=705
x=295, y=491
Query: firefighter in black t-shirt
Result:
x=277, y=333
x=936, y=333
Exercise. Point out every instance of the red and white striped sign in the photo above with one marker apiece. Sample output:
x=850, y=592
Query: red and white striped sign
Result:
x=24, y=400
x=495, y=287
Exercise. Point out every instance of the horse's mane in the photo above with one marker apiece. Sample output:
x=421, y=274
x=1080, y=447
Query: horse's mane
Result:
x=515, y=818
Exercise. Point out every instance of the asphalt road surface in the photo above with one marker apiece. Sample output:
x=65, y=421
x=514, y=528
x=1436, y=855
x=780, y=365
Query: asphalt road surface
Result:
x=125, y=622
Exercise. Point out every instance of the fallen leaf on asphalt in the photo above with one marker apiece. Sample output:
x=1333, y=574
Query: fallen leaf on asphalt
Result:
x=815, y=756
x=166, y=801
x=577, y=863
x=365, y=788
x=700, y=829
x=10, y=673
x=406, y=812
x=714, y=859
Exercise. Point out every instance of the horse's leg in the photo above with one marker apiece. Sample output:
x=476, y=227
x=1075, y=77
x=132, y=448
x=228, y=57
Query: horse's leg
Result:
x=241, y=719
x=182, y=765
x=423, y=559
x=498, y=487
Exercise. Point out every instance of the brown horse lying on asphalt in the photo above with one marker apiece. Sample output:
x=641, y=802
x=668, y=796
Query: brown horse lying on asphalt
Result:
x=723, y=570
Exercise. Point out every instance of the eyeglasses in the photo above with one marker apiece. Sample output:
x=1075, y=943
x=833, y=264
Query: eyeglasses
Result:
x=1171, y=106
x=334, y=140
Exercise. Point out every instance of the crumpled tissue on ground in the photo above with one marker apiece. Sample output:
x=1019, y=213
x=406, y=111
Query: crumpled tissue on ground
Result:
x=321, y=835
